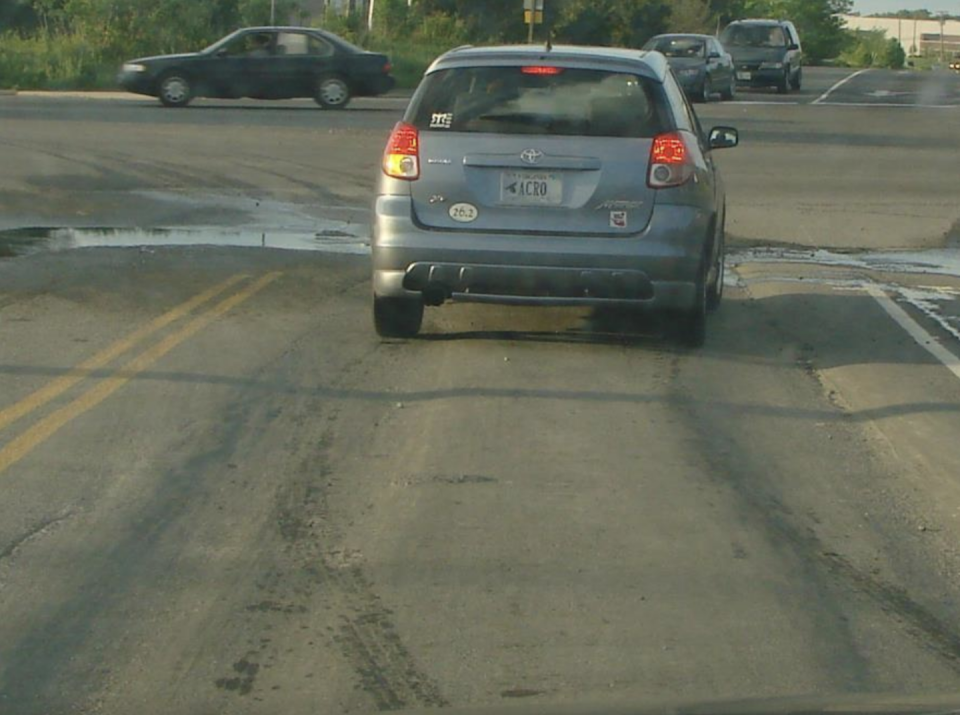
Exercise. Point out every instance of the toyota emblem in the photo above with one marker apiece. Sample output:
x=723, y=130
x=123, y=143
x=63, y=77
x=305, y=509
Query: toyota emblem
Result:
x=531, y=156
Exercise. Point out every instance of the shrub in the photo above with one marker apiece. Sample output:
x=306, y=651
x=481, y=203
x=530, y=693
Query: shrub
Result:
x=872, y=48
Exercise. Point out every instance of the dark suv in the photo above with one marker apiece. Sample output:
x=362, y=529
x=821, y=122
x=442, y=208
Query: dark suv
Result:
x=766, y=53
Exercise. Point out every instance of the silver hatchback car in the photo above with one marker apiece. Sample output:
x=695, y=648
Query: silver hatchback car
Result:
x=550, y=176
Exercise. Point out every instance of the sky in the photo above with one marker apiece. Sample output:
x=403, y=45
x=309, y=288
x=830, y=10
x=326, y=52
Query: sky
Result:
x=867, y=7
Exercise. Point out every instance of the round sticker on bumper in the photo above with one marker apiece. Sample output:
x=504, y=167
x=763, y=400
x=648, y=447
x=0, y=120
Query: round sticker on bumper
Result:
x=464, y=213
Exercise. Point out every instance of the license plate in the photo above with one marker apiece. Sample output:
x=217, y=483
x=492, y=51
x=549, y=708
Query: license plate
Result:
x=746, y=76
x=530, y=188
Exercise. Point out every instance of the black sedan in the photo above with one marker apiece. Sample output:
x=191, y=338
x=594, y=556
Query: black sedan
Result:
x=264, y=63
x=700, y=64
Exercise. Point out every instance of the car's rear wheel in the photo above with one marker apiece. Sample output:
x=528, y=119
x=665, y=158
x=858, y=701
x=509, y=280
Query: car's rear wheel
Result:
x=705, y=91
x=397, y=317
x=332, y=92
x=715, y=289
x=175, y=90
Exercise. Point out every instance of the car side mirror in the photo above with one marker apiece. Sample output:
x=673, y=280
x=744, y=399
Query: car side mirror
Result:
x=794, y=47
x=714, y=56
x=724, y=138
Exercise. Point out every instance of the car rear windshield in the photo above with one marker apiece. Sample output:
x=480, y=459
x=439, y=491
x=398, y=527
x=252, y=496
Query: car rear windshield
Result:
x=539, y=100
x=675, y=47
x=754, y=36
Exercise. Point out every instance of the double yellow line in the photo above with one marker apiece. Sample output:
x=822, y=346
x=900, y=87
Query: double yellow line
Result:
x=30, y=439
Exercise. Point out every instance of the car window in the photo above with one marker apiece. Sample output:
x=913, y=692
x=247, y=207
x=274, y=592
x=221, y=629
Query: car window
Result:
x=683, y=115
x=292, y=43
x=253, y=44
x=318, y=47
x=300, y=44
x=547, y=100
x=678, y=47
x=754, y=36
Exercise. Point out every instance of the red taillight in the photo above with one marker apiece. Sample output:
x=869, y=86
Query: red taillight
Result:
x=541, y=70
x=670, y=161
x=387, y=68
x=401, y=159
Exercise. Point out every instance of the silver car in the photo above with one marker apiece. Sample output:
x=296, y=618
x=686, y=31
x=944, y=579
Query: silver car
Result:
x=532, y=175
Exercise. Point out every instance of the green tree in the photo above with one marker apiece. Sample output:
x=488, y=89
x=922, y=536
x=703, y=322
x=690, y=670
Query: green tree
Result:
x=893, y=56
x=872, y=48
x=393, y=17
x=623, y=23
x=821, y=31
x=489, y=20
x=19, y=15
x=691, y=16
x=257, y=12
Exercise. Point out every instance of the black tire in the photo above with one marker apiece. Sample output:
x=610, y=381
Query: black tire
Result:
x=705, y=91
x=730, y=93
x=175, y=90
x=797, y=82
x=689, y=328
x=332, y=92
x=715, y=289
x=397, y=317
x=783, y=86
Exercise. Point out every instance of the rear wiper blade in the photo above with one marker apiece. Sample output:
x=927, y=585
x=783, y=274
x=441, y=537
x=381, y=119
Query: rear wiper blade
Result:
x=524, y=118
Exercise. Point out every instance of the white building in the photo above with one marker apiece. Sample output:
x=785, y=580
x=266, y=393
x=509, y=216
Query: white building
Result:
x=917, y=37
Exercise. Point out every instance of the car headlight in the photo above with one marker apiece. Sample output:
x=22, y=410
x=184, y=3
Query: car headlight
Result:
x=771, y=66
x=134, y=68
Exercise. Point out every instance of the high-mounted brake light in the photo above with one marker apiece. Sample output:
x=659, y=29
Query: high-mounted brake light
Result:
x=401, y=159
x=541, y=70
x=670, y=161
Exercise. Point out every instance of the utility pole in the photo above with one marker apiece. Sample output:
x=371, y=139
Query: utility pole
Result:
x=943, y=22
x=532, y=15
x=273, y=12
x=370, y=16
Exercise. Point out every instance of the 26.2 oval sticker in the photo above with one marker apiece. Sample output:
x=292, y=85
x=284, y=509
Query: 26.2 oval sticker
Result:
x=464, y=213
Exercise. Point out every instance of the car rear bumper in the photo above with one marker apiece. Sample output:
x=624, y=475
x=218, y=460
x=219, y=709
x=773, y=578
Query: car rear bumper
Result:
x=658, y=268
x=691, y=84
x=760, y=77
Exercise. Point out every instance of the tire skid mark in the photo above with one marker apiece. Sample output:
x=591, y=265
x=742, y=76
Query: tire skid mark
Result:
x=370, y=643
x=365, y=636
x=364, y=633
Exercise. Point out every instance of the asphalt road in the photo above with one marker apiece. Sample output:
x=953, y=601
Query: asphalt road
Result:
x=223, y=494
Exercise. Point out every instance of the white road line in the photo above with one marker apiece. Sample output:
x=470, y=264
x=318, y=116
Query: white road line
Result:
x=837, y=86
x=767, y=103
x=916, y=331
x=887, y=104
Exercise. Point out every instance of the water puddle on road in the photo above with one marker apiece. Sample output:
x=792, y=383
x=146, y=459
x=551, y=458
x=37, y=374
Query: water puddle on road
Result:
x=939, y=261
x=936, y=294
x=26, y=241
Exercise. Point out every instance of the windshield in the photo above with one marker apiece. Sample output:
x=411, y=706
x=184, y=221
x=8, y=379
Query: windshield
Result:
x=494, y=368
x=678, y=47
x=754, y=36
